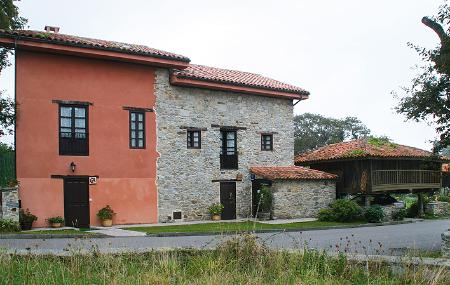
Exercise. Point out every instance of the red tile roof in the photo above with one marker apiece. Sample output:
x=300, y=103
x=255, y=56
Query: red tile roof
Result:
x=62, y=39
x=362, y=148
x=234, y=77
x=290, y=173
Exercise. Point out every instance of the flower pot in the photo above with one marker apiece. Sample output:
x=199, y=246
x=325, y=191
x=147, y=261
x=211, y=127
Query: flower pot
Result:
x=107, y=223
x=55, y=225
x=26, y=226
x=216, y=217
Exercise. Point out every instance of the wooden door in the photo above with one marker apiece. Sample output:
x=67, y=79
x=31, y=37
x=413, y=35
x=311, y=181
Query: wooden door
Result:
x=76, y=202
x=228, y=200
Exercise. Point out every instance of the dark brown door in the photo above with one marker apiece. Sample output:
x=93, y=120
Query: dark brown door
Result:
x=228, y=200
x=76, y=202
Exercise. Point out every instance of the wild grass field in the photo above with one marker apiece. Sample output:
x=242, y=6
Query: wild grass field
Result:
x=241, y=260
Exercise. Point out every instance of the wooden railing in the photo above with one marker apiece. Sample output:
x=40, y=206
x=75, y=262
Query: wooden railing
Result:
x=405, y=179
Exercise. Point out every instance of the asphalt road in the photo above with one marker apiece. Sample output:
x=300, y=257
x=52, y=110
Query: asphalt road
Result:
x=371, y=240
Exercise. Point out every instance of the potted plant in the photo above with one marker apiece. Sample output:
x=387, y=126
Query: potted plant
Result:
x=215, y=210
x=56, y=222
x=26, y=219
x=106, y=214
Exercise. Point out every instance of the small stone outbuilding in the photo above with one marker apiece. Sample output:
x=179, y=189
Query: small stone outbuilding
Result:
x=298, y=192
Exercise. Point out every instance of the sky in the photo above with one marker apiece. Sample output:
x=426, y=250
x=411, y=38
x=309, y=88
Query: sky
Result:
x=349, y=54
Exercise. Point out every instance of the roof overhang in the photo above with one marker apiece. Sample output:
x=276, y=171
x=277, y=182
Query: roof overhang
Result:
x=189, y=82
x=31, y=44
x=347, y=159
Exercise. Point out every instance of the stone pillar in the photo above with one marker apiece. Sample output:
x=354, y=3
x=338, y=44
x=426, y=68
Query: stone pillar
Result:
x=10, y=203
x=445, y=246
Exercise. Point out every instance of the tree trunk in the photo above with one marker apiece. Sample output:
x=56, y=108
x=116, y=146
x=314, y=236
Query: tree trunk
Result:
x=437, y=28
x=420, y=204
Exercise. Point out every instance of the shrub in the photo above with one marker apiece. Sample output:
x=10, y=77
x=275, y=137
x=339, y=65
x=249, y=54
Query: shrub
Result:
x=399, y=215
x=215, y=209
x=264, y=197
x=9, y=226
x=374, y=214
x=326, y=215
x=342, y=210
x=56, y=220
x=106, y=213
x=413, y=210
x=443, y=198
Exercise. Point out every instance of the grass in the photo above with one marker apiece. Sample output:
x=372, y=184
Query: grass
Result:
x=241, y=260
x=223, y=227
x=55, y=232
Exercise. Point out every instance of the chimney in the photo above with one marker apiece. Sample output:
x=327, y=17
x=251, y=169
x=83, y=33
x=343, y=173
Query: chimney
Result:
x=50, y=29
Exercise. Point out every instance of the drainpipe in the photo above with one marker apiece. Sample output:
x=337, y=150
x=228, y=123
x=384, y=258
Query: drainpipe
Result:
x=15, y=107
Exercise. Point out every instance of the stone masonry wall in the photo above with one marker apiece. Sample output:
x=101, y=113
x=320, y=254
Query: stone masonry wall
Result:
x=184, y=176
x=301, y=199
x=10, y=203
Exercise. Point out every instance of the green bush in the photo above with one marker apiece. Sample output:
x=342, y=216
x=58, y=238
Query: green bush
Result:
x=374, y=214
x=9, y=226
x=413, y=210
x=341, y=210
x=443, y=198
x=399, y=215
x=326, y=215
x=264, y=197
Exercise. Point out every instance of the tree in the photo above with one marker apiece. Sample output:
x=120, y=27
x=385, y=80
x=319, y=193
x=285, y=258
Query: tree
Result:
x=428, y=97
x=313, y=131
x=9, y=20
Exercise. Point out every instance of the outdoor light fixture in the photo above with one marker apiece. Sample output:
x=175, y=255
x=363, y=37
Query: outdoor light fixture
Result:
x=72, y=166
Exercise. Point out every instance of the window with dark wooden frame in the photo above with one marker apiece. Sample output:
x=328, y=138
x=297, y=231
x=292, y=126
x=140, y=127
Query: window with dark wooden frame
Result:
x=228, y=154
x=73, y=130
x=137, y=129
x=194, y=139
x=267, y=142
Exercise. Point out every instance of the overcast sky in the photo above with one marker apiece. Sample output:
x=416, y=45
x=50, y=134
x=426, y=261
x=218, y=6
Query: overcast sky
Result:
x=350, y=54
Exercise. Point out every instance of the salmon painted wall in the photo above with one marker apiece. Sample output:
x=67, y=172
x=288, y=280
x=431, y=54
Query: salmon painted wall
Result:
x=126, y=176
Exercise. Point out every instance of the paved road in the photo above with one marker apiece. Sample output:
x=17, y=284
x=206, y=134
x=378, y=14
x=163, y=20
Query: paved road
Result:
x=371, y=240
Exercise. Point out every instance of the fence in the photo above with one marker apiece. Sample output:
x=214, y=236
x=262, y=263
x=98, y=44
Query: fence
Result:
x=7, y=168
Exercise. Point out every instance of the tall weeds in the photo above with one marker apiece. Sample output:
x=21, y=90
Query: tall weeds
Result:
x=241, y=260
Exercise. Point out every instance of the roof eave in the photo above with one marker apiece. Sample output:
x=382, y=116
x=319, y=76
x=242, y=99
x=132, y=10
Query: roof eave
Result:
x=26, y=43
x=369, y=157
x=240, y=88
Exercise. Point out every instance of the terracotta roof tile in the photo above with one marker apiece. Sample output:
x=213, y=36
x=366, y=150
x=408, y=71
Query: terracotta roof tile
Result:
x=290, y=173
x=359, y=149
x=57, y=38
x=234, y=77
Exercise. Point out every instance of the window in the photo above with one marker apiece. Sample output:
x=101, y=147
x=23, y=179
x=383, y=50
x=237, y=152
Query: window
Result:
x=137, y=129
x=228, y=154
x=73, y=130
x=194, y=139
x=266, y=142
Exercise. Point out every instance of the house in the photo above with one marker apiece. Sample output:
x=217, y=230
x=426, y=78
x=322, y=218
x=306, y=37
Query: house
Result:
x=371, y=165
x=143, y=130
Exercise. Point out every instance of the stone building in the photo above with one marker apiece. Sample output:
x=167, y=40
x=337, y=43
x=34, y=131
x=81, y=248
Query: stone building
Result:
x=258, y=124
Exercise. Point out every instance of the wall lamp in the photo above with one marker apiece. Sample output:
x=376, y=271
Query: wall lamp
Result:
x=73, y=166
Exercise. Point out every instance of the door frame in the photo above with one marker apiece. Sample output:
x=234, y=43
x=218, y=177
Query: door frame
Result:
x=256, y=184
x=235, y=196
x=77, y=177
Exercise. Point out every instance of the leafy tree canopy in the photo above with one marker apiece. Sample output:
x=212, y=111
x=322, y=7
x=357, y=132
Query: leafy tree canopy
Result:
x=313, y=131
x=9, y=20
x=428, y=97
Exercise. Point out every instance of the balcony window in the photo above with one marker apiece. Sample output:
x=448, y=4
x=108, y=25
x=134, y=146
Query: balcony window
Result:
x=73, y=130
x=228, y=155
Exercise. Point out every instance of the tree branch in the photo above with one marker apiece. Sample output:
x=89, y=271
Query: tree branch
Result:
x=437, y=28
